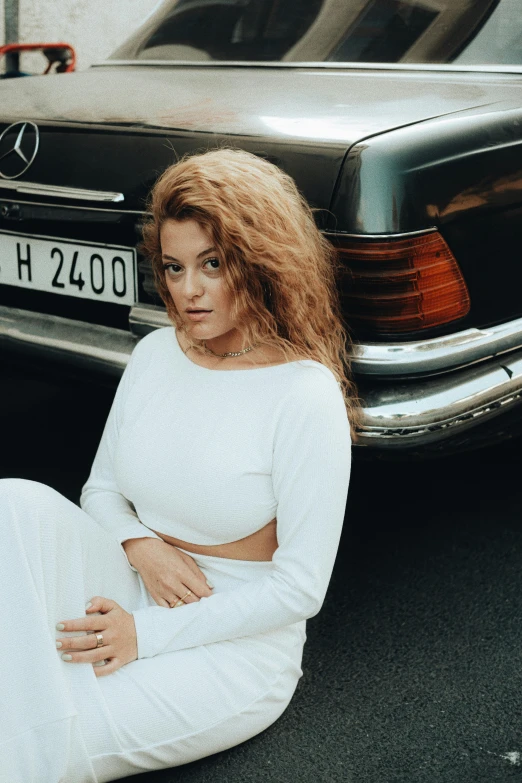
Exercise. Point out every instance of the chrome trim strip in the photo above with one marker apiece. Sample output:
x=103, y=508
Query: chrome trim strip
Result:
x=501, y=69
x=394, y=415
x=145, y=318
x=59, y=191
x=89, y=346
x=78, y=208
x=403, y=235
x=437, y=354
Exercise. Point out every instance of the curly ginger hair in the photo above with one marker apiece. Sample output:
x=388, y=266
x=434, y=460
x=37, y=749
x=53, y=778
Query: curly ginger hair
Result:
x=281, y=269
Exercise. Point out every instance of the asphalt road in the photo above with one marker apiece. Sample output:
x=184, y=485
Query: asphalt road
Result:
x=413, y=668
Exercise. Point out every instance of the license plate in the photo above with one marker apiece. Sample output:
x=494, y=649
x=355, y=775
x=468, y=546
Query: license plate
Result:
x=85, y=270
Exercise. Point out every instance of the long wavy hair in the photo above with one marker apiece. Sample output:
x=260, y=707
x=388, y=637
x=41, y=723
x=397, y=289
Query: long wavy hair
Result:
x=281, y=270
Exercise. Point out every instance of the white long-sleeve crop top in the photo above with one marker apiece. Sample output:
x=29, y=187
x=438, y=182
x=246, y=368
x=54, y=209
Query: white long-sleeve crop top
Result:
x=211, y=456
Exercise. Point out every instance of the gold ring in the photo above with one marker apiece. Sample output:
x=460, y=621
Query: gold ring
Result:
x=99, y=637
x=183, y=599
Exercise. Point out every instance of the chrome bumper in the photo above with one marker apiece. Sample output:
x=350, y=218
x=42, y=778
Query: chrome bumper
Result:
x=78, y=344
x=438, y=354
x=412, y=414
x=399, y=413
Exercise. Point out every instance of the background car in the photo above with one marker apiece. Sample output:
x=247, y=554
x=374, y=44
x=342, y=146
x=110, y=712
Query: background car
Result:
x=401, y=123
x=58, y=58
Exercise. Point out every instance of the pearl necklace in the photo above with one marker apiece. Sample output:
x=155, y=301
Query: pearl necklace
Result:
x=230, y=353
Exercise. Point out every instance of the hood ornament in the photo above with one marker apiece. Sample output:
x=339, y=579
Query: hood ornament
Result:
x=18, y=147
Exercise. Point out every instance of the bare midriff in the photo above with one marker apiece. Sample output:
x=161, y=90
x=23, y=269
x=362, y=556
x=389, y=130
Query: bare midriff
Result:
x=261, y=545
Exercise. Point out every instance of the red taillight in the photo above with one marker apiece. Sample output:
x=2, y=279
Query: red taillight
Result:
x=391, y=286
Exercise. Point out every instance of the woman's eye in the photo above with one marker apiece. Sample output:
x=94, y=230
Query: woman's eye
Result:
x=214, y=262
x=174, y=269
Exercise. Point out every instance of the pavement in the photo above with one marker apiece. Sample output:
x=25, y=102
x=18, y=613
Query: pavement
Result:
x=412, y=670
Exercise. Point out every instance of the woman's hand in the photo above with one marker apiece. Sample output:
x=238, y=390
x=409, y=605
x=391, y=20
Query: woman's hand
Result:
x=168, y=573
x=117, y=628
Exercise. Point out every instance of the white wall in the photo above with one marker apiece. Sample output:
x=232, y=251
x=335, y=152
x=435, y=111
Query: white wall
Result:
x=94, y=27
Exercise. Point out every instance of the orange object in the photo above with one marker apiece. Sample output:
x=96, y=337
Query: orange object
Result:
x=61, y=53
x=391, y=286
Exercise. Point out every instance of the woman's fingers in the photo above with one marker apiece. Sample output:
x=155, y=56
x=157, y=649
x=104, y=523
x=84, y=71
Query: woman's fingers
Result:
x=88, y=642
x=90, y=623
x=183, y=583
x=110, y=667
x=88, y=656
x=196, y=570
x=84, y=649
x=195, y=581
x=114, y=637
x=187, y=595
x=183, y=596
x=197, y=586
x=170, y=575
x=175, y=597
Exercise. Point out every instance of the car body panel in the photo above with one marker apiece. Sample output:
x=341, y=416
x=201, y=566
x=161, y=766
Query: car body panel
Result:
x=334, y=105
x=378, y=151
x=432, y=172
x=93, y=136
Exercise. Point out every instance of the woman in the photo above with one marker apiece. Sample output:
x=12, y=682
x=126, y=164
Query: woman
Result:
x=211, y=517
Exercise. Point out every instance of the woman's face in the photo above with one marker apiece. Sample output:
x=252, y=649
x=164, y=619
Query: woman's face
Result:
x=194, y=276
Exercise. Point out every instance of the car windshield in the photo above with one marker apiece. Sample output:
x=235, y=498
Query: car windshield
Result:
x=364, y=31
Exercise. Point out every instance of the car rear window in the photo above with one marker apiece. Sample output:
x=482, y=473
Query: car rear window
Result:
x=500, y=39
x=366, y=31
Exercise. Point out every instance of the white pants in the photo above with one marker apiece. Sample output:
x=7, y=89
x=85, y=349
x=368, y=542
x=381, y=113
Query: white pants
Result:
x=59, y=723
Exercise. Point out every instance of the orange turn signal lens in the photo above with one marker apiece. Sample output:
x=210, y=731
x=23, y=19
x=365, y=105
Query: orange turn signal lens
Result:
x=392, y=286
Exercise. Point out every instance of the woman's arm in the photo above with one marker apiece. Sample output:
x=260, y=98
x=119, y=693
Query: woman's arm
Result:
x=311, y=470
x=100, y=497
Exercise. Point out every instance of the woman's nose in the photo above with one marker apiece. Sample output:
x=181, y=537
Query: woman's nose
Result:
x=192, y=285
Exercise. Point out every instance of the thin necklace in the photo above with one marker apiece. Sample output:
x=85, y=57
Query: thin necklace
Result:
x=230, y=353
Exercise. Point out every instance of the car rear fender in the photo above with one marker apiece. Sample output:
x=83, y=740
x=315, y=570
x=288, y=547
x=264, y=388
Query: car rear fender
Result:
x=429, y=173
x=460, y=174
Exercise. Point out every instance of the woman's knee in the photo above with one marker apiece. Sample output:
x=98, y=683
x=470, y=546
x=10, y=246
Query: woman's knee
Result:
x=27, y=490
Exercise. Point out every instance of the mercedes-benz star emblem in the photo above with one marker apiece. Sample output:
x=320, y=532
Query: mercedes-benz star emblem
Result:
x=18, y=147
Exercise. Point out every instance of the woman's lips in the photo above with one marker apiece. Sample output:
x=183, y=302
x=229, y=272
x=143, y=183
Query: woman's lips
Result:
x=199, y=315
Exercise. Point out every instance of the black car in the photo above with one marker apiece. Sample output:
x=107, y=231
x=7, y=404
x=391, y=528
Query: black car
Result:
x=401, y=122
